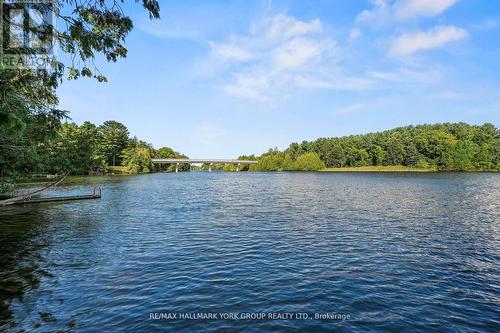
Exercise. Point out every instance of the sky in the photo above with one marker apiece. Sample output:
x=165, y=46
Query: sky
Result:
x=217, y=79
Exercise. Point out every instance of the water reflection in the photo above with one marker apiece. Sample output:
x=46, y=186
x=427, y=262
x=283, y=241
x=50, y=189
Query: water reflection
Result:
x=397, y=251
x=25, y=236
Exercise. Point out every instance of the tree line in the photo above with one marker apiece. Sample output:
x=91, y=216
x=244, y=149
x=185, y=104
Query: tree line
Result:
x=80, y=150
x=445, y=147
x=48, y=146
x=100, y=149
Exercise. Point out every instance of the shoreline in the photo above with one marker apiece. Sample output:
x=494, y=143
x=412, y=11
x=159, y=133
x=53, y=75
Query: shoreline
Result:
x=388, y=168
x=399, y=169
x=381, y=169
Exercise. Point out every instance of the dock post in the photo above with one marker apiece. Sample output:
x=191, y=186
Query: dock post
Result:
x=210, y=167
x=238, y=167
x=177, y=167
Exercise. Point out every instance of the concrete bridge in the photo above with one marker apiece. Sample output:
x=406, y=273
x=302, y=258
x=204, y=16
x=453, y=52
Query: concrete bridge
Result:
x=210, y=162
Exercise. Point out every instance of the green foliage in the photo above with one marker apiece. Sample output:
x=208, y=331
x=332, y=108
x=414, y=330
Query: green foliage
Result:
x=422, y=163
x=334, y=155
x=138, y=159
x=288, y=162
x=114, y=138
x=229, y=167
x=459, y=157
x=449, y=147
x=72, y=149
x=378, y=155
x=494, y=154
x=308, y=162
x=362, y=158
x=270, y=161
x=29, y=119
x=93, y=28
x=80, y=149
x=75, y=150
x=166, y=152
x=275, y=160
x=246, y=167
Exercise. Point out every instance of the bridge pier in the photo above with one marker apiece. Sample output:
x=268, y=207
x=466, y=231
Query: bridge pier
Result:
x=210, y=162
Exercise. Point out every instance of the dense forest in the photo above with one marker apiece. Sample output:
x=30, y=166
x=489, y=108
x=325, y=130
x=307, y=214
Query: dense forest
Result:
x=82, y=150
x=445, y=147
x=100, y=149
x=108, y=148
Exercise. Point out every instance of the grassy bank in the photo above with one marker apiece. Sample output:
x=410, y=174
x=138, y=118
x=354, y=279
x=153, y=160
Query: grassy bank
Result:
x=380, y=168
x=118, y=170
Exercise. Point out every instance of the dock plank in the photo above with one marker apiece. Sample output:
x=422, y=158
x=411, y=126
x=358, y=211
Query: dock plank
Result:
x=65, y=198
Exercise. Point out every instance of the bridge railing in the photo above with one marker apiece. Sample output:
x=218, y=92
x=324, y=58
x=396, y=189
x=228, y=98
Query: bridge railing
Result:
x=210, y=162
x=194, y=161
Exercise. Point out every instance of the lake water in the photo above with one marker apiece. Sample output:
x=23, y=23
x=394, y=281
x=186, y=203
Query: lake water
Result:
x=368, y=252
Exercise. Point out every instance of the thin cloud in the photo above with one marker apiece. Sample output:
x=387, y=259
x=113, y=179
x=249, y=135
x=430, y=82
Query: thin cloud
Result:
x=409, y=43
x=168, y=30
x=282, y=56
x=230, y=52
x=409, y=9
x=274, y=59
x=384, y=13
x=250, y=85
x=380, y=14
x=485, y=25
x=354, y=34
x=298, y=52
x=417, y=75
x=282, y=26
x=346, y=83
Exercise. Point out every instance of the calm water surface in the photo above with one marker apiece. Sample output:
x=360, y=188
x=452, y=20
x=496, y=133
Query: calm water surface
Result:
x=396, y=252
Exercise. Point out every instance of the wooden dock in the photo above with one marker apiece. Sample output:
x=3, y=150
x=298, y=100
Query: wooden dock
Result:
x=95, y=195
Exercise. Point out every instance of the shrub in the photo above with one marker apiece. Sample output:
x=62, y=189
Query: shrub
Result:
x=308, y=162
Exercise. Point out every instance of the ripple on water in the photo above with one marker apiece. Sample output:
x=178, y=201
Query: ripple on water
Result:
x=398, y=252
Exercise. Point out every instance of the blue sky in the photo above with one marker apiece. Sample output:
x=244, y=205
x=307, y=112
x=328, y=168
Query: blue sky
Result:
x=224, y=78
